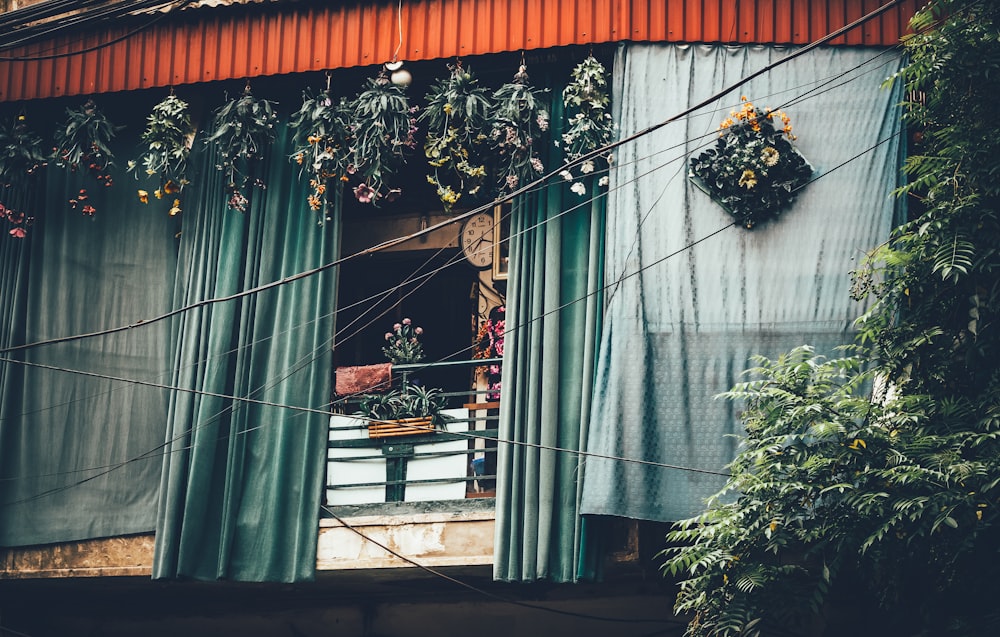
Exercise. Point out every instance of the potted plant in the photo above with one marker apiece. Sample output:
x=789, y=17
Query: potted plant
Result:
x=403, y=412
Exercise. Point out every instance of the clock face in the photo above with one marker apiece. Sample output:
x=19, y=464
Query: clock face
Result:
x=477, y=239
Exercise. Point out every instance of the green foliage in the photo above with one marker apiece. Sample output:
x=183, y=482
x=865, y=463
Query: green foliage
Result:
x=412, y=401
x=753, y=171
x=242, y=129
x=458, y=120
x=22, y=158
x=865, y=498
x=323, y=145
x=82, y=144
x=520, y=122
x=385, y=127
x=166, y=139
x=589, y=125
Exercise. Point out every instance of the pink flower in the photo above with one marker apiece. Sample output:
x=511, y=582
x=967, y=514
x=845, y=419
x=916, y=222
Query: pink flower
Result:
x=397, y=326
x=364, y=193
x=499, y=346
x=406, y=321
x=388, y=335
x=18, y=232
x=418, y=331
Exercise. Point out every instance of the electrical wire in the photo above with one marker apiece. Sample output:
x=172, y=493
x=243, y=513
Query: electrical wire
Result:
x=483, y=208
x=572, y=451
x=121, y=38
x=485, y=593
x=514, y=328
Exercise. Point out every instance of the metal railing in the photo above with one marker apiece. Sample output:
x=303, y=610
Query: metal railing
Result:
x=457, y=459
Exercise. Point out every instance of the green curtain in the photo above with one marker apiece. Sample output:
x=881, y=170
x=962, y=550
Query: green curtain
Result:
x=548, y=380
x=241, y=486
x=79, y=456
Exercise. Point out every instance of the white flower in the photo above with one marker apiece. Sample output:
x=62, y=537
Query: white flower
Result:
x=611, y=158
x=603, y=181
x=587, y=167
x=579, y=188
x=567, y=175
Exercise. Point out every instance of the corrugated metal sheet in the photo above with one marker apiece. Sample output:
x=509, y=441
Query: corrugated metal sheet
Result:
x=248, y=41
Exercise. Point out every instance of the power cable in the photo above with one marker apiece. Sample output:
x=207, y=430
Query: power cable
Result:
x=125, y=36
x=463, y=434
x=483, y=208
x=485, y=593
x=572, y=451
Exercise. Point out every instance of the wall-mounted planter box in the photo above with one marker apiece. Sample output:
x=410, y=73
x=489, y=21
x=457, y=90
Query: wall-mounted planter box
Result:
x=399, y=427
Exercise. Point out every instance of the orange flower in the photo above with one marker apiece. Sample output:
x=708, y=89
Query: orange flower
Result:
x=143, y=196
x=176, y=209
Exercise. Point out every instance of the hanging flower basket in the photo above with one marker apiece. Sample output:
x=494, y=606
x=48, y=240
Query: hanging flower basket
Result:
x=323, y=141
x=242, y=129
x=21, y=161
x=458, y=119
x=82, y=144
x=753, y=171
x=384, y=126
x=520, y=121
x=589, y=125
x=167, y=141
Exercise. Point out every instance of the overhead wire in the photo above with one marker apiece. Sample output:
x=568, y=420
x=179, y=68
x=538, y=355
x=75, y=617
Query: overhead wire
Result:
x=483, y=208
x=96, y=47
x=484, y=592
x=325, y=412
x=572, y=451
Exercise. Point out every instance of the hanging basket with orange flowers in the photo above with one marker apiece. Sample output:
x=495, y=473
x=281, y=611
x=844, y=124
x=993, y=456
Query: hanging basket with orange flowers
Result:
x=322, y=142
x=753, y=171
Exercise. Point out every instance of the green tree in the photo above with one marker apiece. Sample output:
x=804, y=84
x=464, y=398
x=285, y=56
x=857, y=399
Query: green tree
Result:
x=866, y=497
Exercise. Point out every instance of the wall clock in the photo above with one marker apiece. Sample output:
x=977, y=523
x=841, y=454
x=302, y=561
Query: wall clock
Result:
x=477, y=240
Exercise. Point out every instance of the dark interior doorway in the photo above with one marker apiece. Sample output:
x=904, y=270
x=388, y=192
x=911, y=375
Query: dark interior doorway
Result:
x=374, y=293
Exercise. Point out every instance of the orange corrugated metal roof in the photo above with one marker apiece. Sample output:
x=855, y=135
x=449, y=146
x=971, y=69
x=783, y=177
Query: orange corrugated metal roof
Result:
x=268, y=39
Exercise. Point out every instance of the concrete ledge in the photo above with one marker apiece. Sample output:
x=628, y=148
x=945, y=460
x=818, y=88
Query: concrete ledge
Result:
x=105, y=557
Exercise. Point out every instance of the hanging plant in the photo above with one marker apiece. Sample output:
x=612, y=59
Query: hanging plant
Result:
x=82, y=143
x=21, y=159
x=458, y=122
x=323, y=145
x=520, y=120
x=385, y=128
x=167, y=140
x=589, y=125
x=242, y=129
x=752, y=171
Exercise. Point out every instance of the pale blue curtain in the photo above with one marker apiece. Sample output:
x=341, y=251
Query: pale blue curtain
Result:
x=241, y=486
x=684, y=329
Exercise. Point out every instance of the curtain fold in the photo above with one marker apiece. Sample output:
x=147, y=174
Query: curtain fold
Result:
x=553, y=321
x=241, y=486
x=79, y=455
x=686, y=311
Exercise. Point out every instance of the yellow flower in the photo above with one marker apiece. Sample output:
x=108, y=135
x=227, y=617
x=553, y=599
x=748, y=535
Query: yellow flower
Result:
x=769, y=156
x=447, y=108
x=158, y=193
x=748, y=179
x=143, y=196
x=176, y=209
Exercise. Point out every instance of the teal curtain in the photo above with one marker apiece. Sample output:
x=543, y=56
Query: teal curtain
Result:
x=241, y=486
x=681, y=329
x=79, y=456
x=549, y=352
